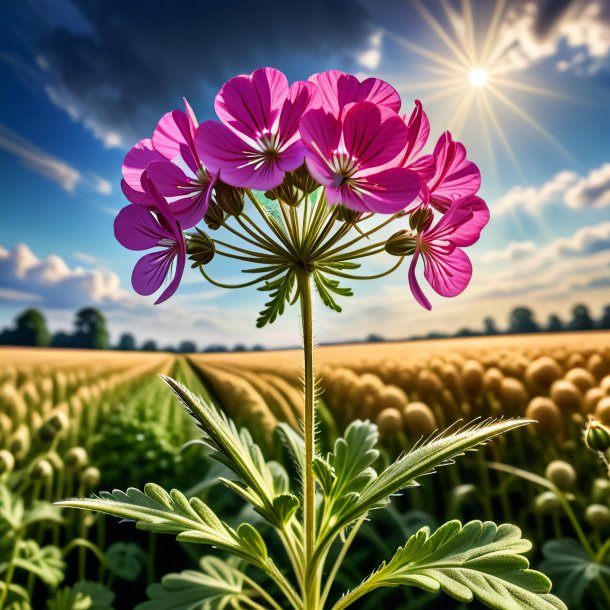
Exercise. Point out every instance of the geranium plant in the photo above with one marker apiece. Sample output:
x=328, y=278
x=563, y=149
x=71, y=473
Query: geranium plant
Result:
x=303, y=179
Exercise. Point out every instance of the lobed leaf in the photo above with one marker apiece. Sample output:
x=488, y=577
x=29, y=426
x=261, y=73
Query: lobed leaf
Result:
x=280, y=292
x=480, y=561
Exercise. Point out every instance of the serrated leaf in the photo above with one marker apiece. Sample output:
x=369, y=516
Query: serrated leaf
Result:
x=325, y=286
x=280, y=292
x=294, y=442
x=215, y=587
x=156, y=510
x=324, y=474
x=571, y=569
x=480, y=561
x=83, y=595
x=125, y=560
x=258, y=482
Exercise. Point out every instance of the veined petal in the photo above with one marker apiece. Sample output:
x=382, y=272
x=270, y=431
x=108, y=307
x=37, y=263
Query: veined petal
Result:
x=292, y=157
x=379, y=92
x=137, y=160
x=171, y=132
x=237, y=163
x=250, y=104
x=169, y=179
x=151, y=270
x=302, y=97
x=180, y=264
x=462, y=223
x=448, y=271
x=190, y=210
x=418, y=293
x=321, y=134
x=372, y=138
x=418, y=130
x=135, y=228
x=135, y=196
x=385, y=192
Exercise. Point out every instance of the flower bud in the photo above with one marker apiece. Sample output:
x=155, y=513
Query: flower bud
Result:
x=389, y=422
x=7, y=461
x=421, y=219
x=402, y=243
x=547, y=503
x=598, y=515
x=53, y=425
x=76, y=458
x=597, y=436
x=346, y=215
x=301, y=178
x=229, y=198
x=41, y=471
x=214, y=217
x=200, y=248
x=90, y=477
x=561, y=474
x=600, y=490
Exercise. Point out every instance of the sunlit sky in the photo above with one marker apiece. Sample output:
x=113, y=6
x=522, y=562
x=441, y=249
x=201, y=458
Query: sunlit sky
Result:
x=525, y=85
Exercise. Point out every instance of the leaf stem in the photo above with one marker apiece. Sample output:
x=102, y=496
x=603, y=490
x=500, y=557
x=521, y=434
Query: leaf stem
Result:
x=349, y=276
x=268, y=276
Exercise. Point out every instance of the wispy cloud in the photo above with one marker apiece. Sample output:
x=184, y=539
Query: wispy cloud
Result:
x=49, y=166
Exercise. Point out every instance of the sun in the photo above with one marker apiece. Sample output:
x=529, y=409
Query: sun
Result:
x=478, y=77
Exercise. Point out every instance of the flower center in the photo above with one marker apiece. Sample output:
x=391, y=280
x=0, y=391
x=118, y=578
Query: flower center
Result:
x=343, y=166
x=167, y=242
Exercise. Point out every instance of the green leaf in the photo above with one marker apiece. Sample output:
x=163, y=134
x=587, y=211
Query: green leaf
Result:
x=294, y=442
x=480, y=561
x=15, y=517
x=280, y=292
x=571, y=569
x=170, y=513
x=83, y=595
x=45, y=563
x=235, y=449
x=250, y=538
x=215, y=587
x=325, y=286
x=286, y=506
x=125, y=560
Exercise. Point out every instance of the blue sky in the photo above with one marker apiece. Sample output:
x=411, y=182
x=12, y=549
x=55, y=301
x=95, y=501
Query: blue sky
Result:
x=82, y=81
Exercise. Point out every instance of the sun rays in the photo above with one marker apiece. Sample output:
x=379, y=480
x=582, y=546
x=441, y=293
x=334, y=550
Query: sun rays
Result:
x=472, y=66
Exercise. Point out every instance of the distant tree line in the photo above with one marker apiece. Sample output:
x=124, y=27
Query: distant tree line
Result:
x=91, y=332
x=522, y=319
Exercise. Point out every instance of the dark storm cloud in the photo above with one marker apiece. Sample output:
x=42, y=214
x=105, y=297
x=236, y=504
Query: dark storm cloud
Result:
x=137, y=59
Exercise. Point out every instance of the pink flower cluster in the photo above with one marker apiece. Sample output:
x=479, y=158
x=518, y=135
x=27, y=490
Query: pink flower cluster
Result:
x=354, y=142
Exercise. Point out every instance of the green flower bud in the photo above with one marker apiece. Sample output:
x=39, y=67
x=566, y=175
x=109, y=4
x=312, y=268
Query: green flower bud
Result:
x=598, y=515
x=420, y=219
x=547, y=503
x=200, y=248
x=561, y=474
x=600, y=490
x=53, y=425
x=41, y=471
x=402, y=243
x=91, y=476
x=346, y=215
x=229, y=198
x=597, y=436
x=214, y=217
x=7, y=461
x=76, y=458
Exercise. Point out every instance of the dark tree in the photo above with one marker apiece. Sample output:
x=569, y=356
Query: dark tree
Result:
x=240, y=347
x=258, y=348
x=554, y=325
x=30, y=330
x=62, y=339
x=127, y=342
x=465, y=332
x=521, y=320
x=215, y=348
x=374, y=338
x=91, y=331
x=604, y=321
x=489, y=326
x=187, y=347
x=581, y=318
x=149, y=346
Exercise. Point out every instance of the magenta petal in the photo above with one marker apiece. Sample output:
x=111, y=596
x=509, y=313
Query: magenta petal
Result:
x=151, y=270
x=137, y=160
x=463, y=222
x=418, y=130
x=373, y=139
x=250, y=104
x=135, y=196
x=418, y=293
x=379, y=92
x=173, y=285
x=169, y=179
x=320, y=132
x=237, y=163
x=171, y=131
x=135, y=228
x=448, y=272
x=302, y=97
x=292, y=157
x=385, y=192
x=190, y=210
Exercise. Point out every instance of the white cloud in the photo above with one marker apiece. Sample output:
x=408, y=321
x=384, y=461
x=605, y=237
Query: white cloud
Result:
x=591, y=191
x=370, y=58
x=51, y=283
x=533, y=31
x=515, y=251
x=532, y=198
x=39, y=161
x=45, y=164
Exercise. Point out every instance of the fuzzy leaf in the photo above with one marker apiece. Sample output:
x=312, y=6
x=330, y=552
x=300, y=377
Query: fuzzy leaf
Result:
x=258, y=482
x=480, y=561
x=83, y=595
x=168, y=513
x=571, y=569
x=215, y=587
x=125, y=560
x=294, y=442
x=327, y=287
x=280, y=291
x=45, y=563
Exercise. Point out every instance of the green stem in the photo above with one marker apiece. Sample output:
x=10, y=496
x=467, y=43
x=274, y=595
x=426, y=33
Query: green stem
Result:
x=257, y=241
x=270, y=221
x=256, y=587
x=339, y=561
x=363, y=277
x=10, y=571
x=304, y=283
x=258, y=234
x=245, y=284
x=291, y=595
